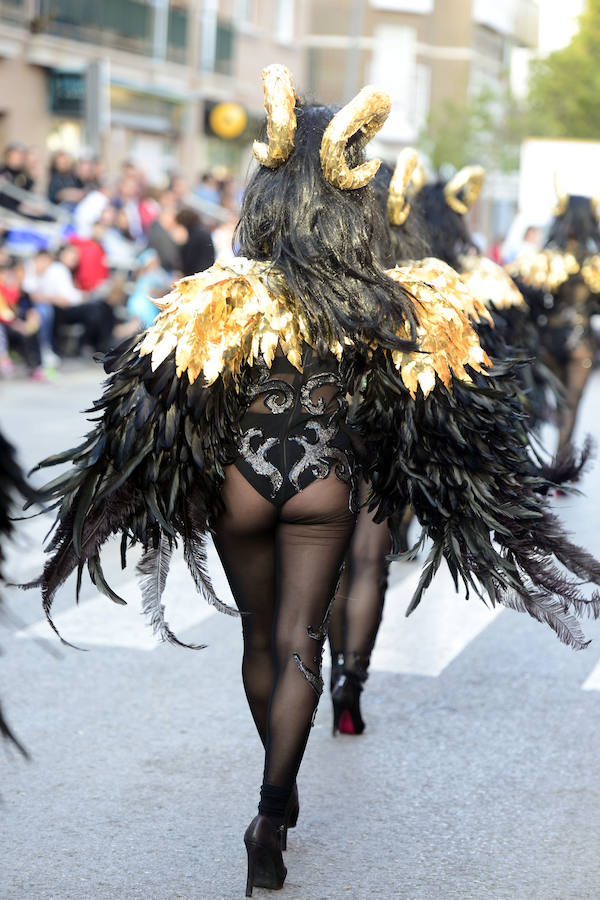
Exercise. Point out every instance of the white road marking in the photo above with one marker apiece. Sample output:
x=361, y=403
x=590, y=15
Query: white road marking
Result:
x=423, y=644
x=99, y=621
x=435, y=633
x=592, y=682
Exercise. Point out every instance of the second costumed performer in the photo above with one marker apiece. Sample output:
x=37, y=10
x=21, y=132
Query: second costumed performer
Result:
x=228, y=416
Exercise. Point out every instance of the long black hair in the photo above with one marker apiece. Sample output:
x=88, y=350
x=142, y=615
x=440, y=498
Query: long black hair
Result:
x=322, y=239
x=578, y=223
x=447, y=231
x=409, y=241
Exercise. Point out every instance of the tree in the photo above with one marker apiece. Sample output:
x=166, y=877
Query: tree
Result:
x=564, y=93
x=487, y=130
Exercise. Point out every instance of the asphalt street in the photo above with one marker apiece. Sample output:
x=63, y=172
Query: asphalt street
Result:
x=477, y=777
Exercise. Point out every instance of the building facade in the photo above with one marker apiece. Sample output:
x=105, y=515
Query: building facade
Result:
x=423, y=52
x=138, y=79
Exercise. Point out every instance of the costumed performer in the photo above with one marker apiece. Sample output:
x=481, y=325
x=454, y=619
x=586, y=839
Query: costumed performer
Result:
x=228, y=416
x=562, y=285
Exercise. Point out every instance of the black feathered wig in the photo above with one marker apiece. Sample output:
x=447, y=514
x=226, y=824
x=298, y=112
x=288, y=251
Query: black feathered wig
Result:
x=332, y=245
x=578, y=225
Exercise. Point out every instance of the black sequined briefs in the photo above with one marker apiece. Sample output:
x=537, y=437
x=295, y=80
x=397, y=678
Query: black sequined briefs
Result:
x=294, y=430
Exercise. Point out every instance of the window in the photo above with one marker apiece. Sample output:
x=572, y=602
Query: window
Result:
x=224, y=49
x=284, y=21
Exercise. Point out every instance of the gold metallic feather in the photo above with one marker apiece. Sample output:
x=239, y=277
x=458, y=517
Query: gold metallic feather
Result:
x=224, y=317
x=490, y=283
x=545, y=270
x=447, y=341
x=590, y=271
x=235, y=312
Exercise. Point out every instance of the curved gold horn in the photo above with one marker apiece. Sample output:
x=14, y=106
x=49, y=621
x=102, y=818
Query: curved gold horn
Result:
x=468, y=180
x=595, y=205
x=398, y=207
x=562, y=198
x=418, y=179
x=280, y=100
x=366, y=113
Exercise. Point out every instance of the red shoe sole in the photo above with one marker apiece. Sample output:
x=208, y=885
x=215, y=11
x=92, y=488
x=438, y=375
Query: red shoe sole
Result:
x=346, y=725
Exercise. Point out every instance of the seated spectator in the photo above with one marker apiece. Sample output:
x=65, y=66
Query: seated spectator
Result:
x=120, y=251
x=207, y=189
x=19, y=323
x=92, y=270
x=89, y=210
x=60, y=303
x=14, y=172
x=151, y=281
x=160, y=234
x=87, y=172
x=64, y=188
x=197, y=251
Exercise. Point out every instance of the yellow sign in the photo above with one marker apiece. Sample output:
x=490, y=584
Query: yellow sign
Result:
x=228, y=120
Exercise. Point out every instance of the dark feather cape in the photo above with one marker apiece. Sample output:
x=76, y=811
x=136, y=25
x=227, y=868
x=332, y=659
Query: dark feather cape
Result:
x=444, y=436
x=150, y=470
x=461, y=459
x=12, y=485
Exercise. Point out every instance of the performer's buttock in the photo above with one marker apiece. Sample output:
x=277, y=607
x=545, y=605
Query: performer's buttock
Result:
x=294, y=432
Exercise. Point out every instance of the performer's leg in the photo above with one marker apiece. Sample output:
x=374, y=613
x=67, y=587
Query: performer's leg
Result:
x=312, y=537
x=245, y=541
x=366, y=591
x=577, y=372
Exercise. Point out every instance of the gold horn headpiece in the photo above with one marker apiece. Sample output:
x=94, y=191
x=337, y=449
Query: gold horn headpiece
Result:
x=398, y=207
x=280, y=101
x=562, y=198
x=418, y=178
x=366, y=113
x=468, y=180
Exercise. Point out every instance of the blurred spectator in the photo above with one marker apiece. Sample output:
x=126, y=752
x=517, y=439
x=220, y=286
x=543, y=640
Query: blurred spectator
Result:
x=160, y=234
x=14, y=171
x=92, y=269
x=178, y=186
x=149, y=207
x=197, y=250
x=60, y=303
x=64, y=187
x=531, y=242
x=89, y=210
x=222, y=238
x=151, y=281
x=207, y=188
x=119, y=250
x=127, y=202
x=86, y=172
x=19, y=323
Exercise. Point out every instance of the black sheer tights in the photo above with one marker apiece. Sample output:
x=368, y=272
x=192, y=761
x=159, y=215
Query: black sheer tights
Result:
x=358, y=605
x=574, y=375
x=282, y=564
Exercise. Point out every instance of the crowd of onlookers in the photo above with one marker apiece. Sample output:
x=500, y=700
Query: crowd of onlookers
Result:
x=82, y=255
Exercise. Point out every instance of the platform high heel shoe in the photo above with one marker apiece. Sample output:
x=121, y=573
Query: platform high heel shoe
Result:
x=292, y=811
x=265, y=862
x=346, y=704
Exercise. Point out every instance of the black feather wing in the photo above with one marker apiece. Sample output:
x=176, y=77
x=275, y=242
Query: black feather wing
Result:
x=150, y=470
x=460, y=458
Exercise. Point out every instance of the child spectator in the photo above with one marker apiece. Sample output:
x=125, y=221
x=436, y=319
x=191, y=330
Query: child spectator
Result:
x=19, y=323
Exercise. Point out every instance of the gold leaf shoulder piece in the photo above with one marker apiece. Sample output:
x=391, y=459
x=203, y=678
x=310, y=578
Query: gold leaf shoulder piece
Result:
x=222, y=318
x=490, y=283
x=590, y=272
x=447, y=341
x=545, y=270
